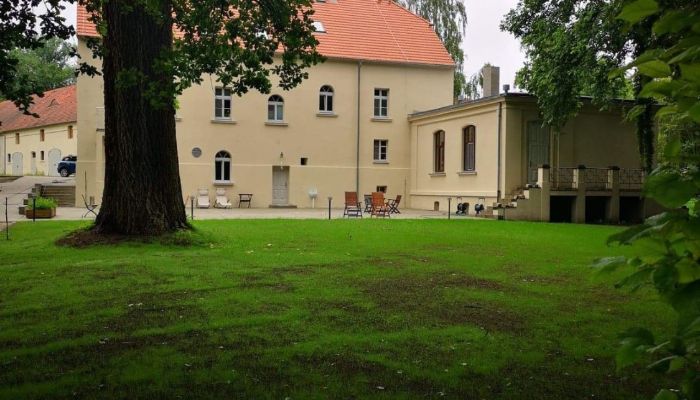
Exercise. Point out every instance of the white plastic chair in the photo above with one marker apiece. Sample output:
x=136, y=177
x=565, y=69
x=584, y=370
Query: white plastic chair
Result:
x=203, y=198
x=221, y=200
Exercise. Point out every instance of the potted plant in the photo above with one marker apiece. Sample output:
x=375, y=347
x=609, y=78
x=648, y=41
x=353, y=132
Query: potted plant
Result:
x=42, y=207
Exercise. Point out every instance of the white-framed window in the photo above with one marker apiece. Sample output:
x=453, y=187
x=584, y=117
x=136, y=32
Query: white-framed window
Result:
x=381, y=149
x=381, y=103
x=318, y=27
x=325, y=99
x=275, y=108
x=222, y=167
x=222, y=103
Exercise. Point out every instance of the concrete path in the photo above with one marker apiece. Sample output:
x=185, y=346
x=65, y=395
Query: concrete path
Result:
x=72, y=213
x=16, y=191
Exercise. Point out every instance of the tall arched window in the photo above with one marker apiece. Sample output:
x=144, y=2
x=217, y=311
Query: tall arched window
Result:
x=275, y=108
x=325, y=99
x=439, y=151
x=469, y=148
x=222, y=167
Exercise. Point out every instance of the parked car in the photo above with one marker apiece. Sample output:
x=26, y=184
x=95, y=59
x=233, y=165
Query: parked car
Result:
x=67, y=166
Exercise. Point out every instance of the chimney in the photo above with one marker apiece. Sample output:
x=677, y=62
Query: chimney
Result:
x=492, y=77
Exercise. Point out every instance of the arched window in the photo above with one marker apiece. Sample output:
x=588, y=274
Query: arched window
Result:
x=275, y=108
x=222, y=167
x=469, y=148
x=325, y=99
x=439, y=151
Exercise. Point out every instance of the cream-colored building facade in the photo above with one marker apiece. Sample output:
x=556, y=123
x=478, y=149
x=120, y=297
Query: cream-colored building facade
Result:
x=35, y=146
x=589, y=171
x=37, y=151
x=392, y=127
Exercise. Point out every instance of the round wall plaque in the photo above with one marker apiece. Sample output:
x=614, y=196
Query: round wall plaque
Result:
x=196, y=152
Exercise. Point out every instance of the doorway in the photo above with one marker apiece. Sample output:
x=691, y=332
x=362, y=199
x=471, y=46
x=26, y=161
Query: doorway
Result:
x=17, y=166
x=54, y=159
x=537, y=148
x=280, y=186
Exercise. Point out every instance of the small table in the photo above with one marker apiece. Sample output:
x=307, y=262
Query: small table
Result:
x=244, y=198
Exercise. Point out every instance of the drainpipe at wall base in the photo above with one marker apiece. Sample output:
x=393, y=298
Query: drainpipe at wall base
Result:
x=498, y=158
x=357, y=156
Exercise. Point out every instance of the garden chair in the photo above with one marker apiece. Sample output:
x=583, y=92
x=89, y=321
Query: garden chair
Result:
x=368, y=203
x=221, y=200
x=380, y=208
x=90, y=206
x=244, y=198
x=203, y=198
x=394, y=205
x=353, y=208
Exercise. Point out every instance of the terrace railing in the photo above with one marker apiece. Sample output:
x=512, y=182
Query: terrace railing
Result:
x=632, y=179
x=593, y=179
x=562, y=179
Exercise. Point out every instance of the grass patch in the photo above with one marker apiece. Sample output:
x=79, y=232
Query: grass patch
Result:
x=318, y=309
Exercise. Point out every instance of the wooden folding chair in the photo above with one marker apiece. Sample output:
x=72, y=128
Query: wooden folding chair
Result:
x=353, y=208
x=394, y=205
x=379, y=206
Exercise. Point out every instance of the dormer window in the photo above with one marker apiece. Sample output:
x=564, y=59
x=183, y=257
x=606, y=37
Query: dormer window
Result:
x=318, y=27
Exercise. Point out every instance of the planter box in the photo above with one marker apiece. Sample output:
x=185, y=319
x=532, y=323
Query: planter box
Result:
x=40, y=213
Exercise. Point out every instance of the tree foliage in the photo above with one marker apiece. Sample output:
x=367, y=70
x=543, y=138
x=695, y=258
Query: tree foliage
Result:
x=571, y=47
x=671, y=72
x=46, y=67
x=449, y=19
x=24, y=26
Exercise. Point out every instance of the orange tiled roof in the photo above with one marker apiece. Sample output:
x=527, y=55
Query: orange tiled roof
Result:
x=56, y=107
x=371, y=30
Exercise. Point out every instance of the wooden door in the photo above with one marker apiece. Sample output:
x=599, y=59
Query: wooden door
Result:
x=17, y=166
x=280, y=186
x=54, y=159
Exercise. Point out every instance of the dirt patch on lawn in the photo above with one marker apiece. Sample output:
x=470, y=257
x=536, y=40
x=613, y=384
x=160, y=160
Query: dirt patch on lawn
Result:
x=419, y=300
x=83, y=238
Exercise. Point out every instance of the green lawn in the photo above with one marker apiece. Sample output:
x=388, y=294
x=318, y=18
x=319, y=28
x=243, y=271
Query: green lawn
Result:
x=319, y=309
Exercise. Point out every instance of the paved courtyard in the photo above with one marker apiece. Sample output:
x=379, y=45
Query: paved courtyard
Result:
x=17, y=190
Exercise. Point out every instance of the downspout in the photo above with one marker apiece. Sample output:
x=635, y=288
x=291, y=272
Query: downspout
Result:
x=357, y=155
x=498, y=158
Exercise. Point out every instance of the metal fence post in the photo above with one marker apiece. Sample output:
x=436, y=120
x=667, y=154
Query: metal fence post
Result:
x=7, y=221
x=33, y=209
x=449, y=207
x=192, y=208
x=330, y=199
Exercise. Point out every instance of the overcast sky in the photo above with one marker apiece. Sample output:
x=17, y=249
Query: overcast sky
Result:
x=483, y=43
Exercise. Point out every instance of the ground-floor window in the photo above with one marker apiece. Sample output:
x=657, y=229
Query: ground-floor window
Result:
x=381, y=147
x=222, y=167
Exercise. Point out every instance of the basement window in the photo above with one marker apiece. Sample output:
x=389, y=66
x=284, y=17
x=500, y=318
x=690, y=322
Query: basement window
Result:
x=304, y=161
x=381, y=189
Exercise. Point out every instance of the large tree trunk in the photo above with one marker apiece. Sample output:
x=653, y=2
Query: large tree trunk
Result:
x=142, y=193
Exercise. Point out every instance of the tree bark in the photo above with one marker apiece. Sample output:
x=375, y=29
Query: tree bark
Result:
x=142, y=192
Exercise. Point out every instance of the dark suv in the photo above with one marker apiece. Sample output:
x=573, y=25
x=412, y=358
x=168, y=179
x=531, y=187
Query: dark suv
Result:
x=67, y=166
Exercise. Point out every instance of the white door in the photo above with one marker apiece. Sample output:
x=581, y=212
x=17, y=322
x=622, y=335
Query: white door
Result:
x=280, y=186
x=537, y=148
x=54, y=159
x=17, y=166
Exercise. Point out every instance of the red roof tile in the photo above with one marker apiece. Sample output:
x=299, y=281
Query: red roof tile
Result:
x=56, y=107
x=372, y=30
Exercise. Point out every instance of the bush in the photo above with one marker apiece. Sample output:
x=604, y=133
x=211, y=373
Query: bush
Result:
x=42, y=203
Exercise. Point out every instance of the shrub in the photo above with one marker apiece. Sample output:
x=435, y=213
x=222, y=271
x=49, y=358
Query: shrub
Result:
x=42, y=203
